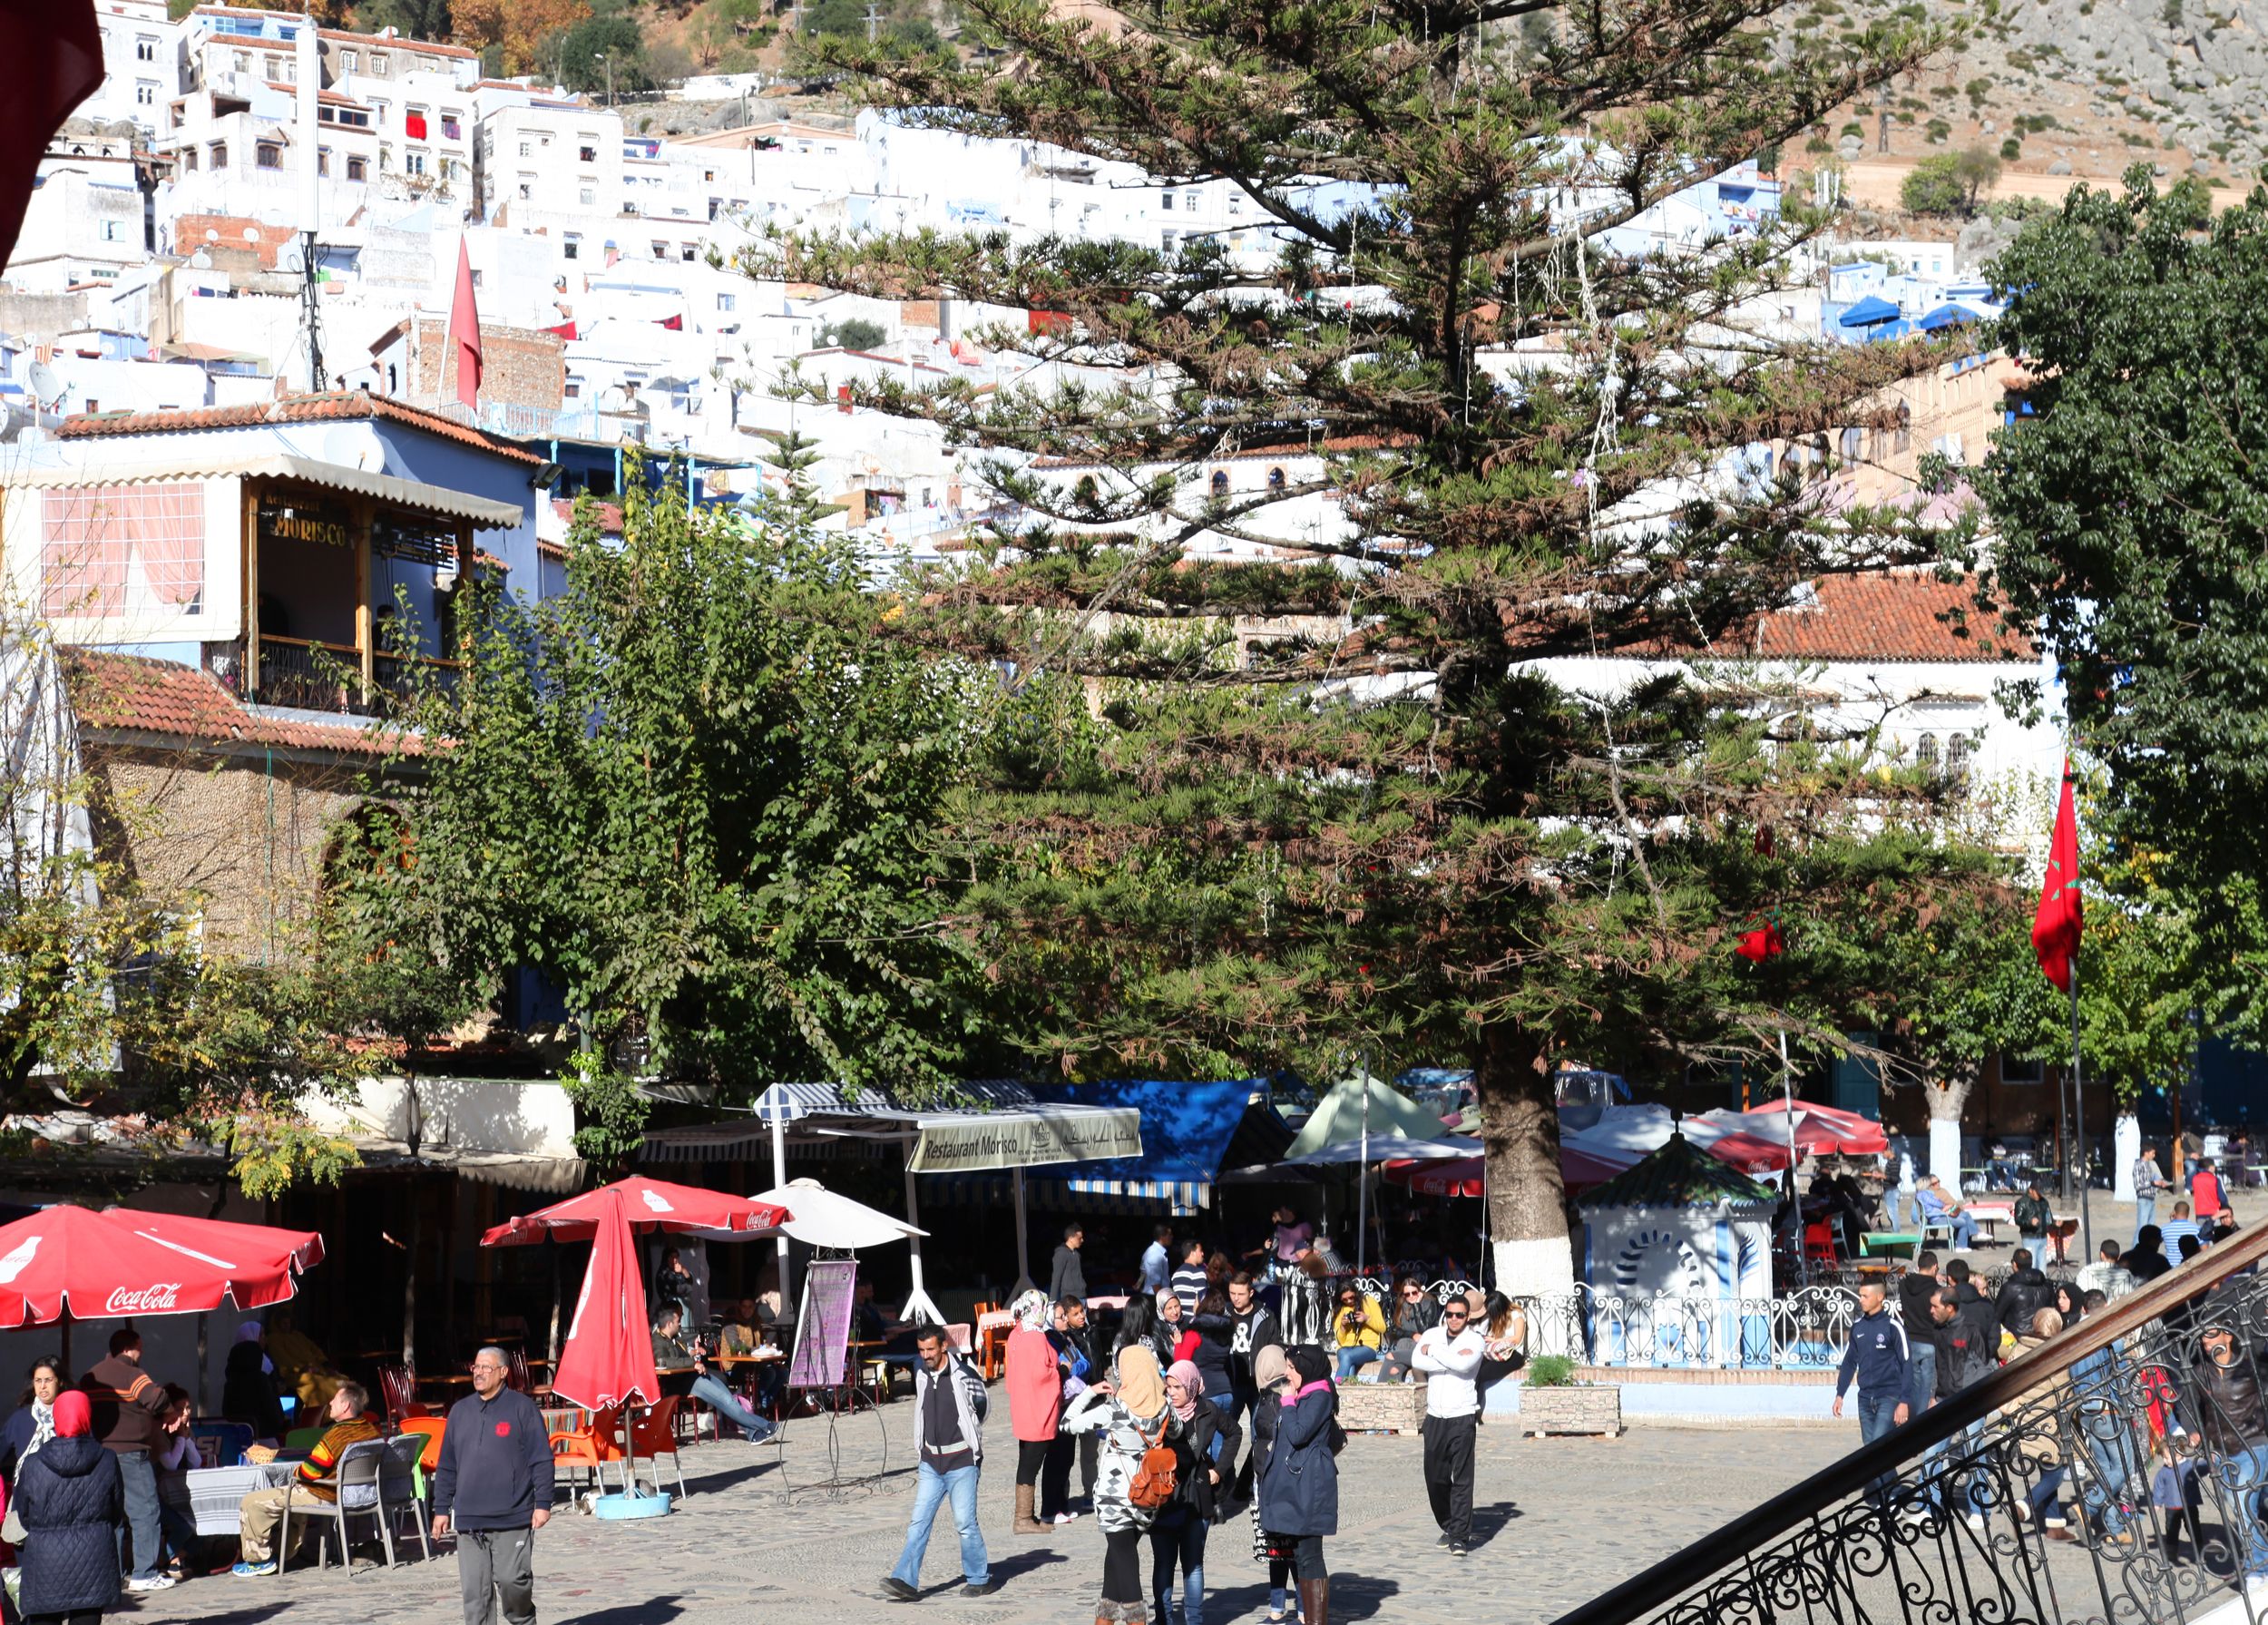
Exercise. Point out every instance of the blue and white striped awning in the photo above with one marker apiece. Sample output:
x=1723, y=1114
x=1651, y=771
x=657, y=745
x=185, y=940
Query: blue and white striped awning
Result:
x=1144, y=1198
x=993, y=1125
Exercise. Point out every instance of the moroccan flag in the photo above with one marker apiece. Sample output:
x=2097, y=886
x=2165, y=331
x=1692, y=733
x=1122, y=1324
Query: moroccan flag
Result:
x=2056, y=927
x=464, y=329
x=55, y=57
x=676, y=324
x=1761, y=943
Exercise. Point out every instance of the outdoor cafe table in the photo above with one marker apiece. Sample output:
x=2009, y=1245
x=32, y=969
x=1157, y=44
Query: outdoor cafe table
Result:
x=1887, y=1243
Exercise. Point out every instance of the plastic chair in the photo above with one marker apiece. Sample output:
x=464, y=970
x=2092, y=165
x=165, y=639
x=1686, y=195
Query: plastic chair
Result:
x=654, y=1435
x=1819, y=1244
x=398, y=1390
x=354, y=1483
x=592, y=1445
x=431, y=1429
x=401, y=1485
x=303, y=1438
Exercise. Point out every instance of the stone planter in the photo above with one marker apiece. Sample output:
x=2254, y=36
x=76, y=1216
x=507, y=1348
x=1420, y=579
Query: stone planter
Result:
x=1382, y=1407
x=1583, y=1408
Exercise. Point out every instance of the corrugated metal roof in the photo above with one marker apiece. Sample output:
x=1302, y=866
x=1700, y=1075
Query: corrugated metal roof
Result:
x=1680, y=1174
x=436, y=500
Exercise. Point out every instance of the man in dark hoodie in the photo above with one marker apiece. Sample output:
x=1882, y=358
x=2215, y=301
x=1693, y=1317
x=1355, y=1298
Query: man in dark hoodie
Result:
x=494, y=1486
x=1975, y=1306
x=1916, y=1289
x=128, y=1406
x=2023, y=1294
x=1967, y=1351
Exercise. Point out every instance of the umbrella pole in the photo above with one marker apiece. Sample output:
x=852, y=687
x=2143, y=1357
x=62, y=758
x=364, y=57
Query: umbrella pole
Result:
x=1787, y=1095
x=779, y=1182
x=1362, y=1177
x=550, y=1245
x=1023, y=1235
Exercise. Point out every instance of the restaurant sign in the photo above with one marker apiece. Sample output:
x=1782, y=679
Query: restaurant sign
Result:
x=1030, y=1137
x=301, y=522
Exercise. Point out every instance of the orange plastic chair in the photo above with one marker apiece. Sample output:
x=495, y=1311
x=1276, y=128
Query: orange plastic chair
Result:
x=432, y=1427
x=592, y=1446
x=654, y=1434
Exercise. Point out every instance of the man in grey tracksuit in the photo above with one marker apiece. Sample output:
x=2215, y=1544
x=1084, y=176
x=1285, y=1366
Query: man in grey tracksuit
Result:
x=494, y=1486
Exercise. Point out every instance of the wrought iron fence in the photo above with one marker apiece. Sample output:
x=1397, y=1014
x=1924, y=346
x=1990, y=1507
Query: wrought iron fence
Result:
x=1802, y=1331
x=2116, y=1473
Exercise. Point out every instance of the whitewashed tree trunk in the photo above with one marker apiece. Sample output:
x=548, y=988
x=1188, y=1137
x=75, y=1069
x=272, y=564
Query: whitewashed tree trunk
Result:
x=1946, y=1097
x=2125, y=1141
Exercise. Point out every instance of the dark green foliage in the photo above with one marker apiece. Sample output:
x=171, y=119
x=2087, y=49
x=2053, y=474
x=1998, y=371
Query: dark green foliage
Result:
x=615, y=37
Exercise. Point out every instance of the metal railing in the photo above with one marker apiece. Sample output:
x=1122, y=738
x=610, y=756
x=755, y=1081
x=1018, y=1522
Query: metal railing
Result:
x=1803, y=1331
x=2147, y=1418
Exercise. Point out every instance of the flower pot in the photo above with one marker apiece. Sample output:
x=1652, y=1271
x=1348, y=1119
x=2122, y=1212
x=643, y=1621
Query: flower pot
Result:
x=1581, y=1408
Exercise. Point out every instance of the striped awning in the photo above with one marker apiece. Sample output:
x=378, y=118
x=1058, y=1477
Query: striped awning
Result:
x=1137, y=1198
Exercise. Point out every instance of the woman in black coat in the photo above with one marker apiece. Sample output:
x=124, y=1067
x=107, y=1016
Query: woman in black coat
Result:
x=1299, y=1484
x=248, y=1394
x=71, y=1502
x=1204, y=1477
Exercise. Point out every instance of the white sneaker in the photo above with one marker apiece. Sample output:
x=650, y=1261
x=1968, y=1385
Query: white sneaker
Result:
x=1065, y=1517
x=154, y=1582
x=1976, y=1520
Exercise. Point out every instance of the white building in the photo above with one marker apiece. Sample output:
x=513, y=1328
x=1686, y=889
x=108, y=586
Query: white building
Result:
x=550, y=165
x=142, y=63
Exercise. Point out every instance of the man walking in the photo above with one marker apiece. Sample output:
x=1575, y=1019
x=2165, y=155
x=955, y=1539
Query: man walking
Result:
x=2147, y=1182
x=1450, y=1354
x=1189, y=1281
x=1916, y=1288
x=1881, y=1360
x=494, y=1486
x=1067, y=1278
x=129, y=1405
x=948, y=1405
x=1157, y=1261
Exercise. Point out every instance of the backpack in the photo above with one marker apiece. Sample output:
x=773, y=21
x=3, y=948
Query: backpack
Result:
x=1153, y=1483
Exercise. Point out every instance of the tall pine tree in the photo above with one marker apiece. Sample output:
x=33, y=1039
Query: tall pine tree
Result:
x=1390, y=820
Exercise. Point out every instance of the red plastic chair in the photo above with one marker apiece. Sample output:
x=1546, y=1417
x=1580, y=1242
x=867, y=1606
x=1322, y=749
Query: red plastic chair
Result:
x=654, y=1434
x=1819, y=1244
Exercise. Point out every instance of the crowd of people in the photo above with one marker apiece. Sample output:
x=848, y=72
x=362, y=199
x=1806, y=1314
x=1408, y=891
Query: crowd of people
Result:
x=1214, y=1401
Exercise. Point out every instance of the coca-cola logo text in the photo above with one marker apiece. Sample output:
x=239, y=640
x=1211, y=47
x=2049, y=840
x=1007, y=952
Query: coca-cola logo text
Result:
x=148, y=1300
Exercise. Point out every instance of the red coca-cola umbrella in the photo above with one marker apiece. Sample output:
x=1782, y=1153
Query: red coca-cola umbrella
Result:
x=1828, y=1131
x=65, y=1262
x=608, y=1361
x=269, y=1254
x=647, y=1206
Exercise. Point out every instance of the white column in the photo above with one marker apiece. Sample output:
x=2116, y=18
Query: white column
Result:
x=779, y=1182
x=2125, y=1147
x=917, y=1304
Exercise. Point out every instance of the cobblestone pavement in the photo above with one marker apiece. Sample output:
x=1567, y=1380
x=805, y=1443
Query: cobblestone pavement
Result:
x=1560, y=1520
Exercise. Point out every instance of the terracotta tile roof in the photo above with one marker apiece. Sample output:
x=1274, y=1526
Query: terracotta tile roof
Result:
x=610, y=514
x=395, y=42
x=1889, y=616
x=133, y=693
x=294, y=408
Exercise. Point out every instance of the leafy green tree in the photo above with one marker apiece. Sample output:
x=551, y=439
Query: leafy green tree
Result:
x=843, y=19
x=1238, y=813
x=2127, y=503
x=1951, y=185
x=701, y=795
x=586, y=49
x=853, y=333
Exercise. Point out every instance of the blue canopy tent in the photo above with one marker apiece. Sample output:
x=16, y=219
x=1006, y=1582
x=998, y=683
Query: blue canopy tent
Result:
x=1891, y=331
x=1191, y=1133
x=1868, y=311
x=1946, y=316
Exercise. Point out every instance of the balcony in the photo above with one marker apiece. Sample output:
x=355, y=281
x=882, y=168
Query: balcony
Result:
x=308, y=675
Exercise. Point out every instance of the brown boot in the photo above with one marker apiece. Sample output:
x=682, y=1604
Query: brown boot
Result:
x=1315, y=1601
x=1026, y=1524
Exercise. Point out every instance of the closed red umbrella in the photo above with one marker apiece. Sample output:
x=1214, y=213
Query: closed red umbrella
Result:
x=647, y=1206
x=609, y=1359
x=1823, y=1131
x=1749, y=1153
x=65, y=1261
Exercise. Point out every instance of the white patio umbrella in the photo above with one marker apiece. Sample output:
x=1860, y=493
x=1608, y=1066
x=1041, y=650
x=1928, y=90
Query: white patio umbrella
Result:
x=822, y=1218
x=1382, y=1148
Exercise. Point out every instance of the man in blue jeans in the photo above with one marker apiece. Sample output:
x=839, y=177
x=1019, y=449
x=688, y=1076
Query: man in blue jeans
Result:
x=1881, y=1360
x=672, y=1359
x=949, y=1406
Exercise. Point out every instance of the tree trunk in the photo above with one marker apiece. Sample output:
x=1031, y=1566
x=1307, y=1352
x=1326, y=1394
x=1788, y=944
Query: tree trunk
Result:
x=1947, y=1097
x=1520, y=1128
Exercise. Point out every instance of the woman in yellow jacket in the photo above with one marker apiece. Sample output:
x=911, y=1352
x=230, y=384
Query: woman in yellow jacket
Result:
x=1359, y=1328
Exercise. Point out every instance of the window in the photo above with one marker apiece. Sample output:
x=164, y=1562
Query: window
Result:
x=1925, y=753
x=380, y=65
x=527, y=186
x=477, y=276
x=413, y=122
x=217, y=155
x=284, y=68
x=1276, y=479
x=726, y=301
x=587, y=149
x=2017, y=1068
x=660, y=250
x=1957, y=753
x=145, y=93
x=414, y=162
x=188, y=157
x=709, y=175
x=1850, y=440
x=145, y=48
x=1220, y=484
x=1901, y=439
x=243, y=63
x=356, y=169
x=113, y=230
x=686, y=251
x=347, y=60
x=572, y=389
x=573, y=246
x=544, y=138
x=589, y=196
x=1168, y=241
x=267, y=156
x=1164, y=201
x=527, y=149
x=322, y=160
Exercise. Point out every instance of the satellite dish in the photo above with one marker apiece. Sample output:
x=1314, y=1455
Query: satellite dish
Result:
x=212, y=234
x=291, y=259
x=611, y=399
x=46, y=387
x=200, y=261
x=344, y=447
x=251, y=234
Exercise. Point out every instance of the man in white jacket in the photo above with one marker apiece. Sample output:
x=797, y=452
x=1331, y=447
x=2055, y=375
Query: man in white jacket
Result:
x=1449, y=1355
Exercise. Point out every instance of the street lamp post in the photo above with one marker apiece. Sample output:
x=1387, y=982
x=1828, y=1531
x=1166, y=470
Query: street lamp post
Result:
x=607, y=58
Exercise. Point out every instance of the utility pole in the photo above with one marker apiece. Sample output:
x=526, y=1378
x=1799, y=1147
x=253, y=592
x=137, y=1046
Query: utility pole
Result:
x=874, y=19
x=607, y=59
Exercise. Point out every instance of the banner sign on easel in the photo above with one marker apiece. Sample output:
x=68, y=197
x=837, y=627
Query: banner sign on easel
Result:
x=830, y=1290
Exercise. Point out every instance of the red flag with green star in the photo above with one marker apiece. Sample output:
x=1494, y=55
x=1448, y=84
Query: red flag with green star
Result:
x=2056, y=927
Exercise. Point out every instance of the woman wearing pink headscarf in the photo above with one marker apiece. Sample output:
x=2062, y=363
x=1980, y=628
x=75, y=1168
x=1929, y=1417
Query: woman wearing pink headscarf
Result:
x=1206, y=1459
x=71, y=1501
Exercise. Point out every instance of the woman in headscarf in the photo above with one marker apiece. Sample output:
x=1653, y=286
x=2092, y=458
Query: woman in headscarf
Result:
x=1299, y=1487
x=1132, y=1416
x=31, y=1427
x=1272, y=1371
x=1177, y=1339
x=1035, y=1405
x=1205, y=1458
x=248, y=1393
x=71, y=1501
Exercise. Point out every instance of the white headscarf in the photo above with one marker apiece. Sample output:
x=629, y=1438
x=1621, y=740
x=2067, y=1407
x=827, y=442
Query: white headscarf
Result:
x=1034, y=1311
